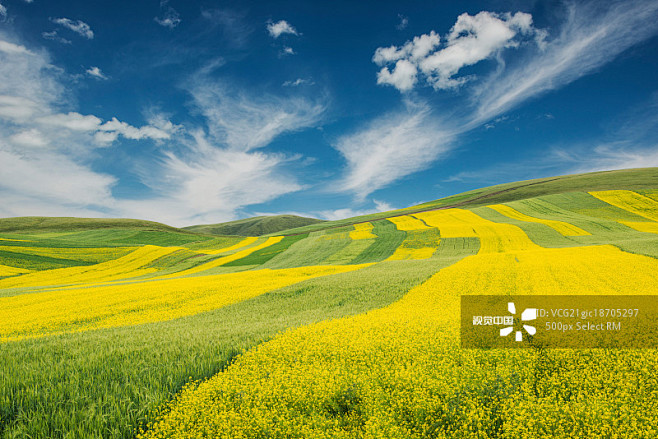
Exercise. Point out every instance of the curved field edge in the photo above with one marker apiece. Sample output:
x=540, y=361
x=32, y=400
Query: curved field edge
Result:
x=111, y=381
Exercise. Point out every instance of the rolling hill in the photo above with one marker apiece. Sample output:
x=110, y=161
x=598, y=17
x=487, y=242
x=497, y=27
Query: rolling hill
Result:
x=255, y=226
x=335, y=329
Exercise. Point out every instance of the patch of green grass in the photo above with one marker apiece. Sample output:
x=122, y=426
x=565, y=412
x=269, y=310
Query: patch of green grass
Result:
x=388, y=240
x=61, y=224
x=214, y=243
x=36, y=262
x=265, y=254
x=256, y=226
x=314, y=250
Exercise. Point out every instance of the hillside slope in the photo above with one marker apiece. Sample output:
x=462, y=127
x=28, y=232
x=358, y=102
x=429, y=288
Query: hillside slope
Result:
x=25, y=224
x=630, y=179
x=256, y=226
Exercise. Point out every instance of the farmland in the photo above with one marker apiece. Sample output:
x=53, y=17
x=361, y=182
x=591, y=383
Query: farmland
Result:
x=334, y=329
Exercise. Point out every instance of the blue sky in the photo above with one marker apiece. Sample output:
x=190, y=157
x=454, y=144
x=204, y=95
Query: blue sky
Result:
x=202, y=112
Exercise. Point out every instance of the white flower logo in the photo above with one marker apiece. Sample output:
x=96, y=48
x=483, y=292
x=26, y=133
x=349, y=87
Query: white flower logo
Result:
x=527, y=314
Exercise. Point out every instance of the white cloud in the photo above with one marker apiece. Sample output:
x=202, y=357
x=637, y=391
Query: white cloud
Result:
x=11, y=48
x=210, y=183
x=591, y=37
x=390, y=148
x=287, y=51
x=71, y=121
x=338, y=214
x=245, y=122
x=31, y=138
x=403, y=77
x=96, y=73
x=279, y=28
x=54, y=36
x=611, y=156
x=297, y=82
x=54, y=177
x=404, y=22
x=3, y=12
x=170, y=18
x=14, y=107
x=79, y=27
x=471, y=40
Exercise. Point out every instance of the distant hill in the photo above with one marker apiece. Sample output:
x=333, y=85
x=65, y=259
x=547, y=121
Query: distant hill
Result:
x=630, y=179
x=61, y=224
x=256, y=226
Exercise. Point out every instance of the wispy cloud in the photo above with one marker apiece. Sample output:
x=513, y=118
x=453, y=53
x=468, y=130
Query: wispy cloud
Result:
x=591, y=36
x=207, y=182
x=78, y=26
x=280, y=28
x=95, y=72
x=297, y=82
x=244, y=122
x=54, y=36
x=404, y=22
x=170, y=17
x=338, y=214
x=11, y=48
x=390, y=148
x=3, y=12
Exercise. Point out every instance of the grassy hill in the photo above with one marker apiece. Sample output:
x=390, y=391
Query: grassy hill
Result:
x=27, y=224
x=256, y=226
x=631, y=179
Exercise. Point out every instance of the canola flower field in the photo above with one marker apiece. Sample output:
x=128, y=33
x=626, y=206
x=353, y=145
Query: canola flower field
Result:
x=346, y=332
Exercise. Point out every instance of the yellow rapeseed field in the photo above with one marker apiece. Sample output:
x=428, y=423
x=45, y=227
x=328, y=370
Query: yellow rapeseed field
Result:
x=562, y=227
x=630, y=201
x=398, y=372
x=494, y=237
x=362, y=231
x=408, y=223
x=6, y=270
x=128, y=266
x=66, y=310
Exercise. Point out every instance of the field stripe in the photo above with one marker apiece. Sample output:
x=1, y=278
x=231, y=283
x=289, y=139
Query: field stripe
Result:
x=631, y=202
x=223, y=260
x=494, y=237
x=408, y=223
x=70, y=310
x=648, y=227
x=128, y=266
x=263, y=255
x=245, y=242
x=561, y=227
x=362, y=231
x=6, y=270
